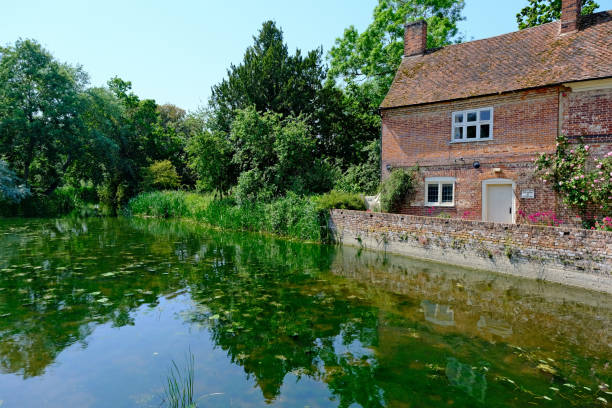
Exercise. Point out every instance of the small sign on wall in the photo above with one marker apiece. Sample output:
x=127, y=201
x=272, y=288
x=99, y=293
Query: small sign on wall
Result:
x=528, y=193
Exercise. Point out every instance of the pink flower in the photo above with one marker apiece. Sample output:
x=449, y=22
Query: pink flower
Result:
x=586, y=148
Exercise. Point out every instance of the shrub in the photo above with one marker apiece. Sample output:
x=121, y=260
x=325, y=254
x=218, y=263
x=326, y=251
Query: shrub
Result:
x=395, y=189
x=160, y=175
x=11, y=188
x=340, y=199
x=581, y=182
x=604, y=225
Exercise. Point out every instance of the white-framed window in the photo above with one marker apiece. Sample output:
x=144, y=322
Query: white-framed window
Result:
x=472, y=125
x=440, y=191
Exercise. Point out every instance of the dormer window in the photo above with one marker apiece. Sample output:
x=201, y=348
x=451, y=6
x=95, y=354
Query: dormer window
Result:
x=472, y=125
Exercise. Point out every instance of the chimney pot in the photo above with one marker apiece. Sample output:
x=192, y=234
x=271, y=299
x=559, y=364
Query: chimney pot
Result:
x=415, y=38
x=570, y=15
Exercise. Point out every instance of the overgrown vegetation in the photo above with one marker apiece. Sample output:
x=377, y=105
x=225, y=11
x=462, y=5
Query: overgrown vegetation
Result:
x=291, y=216
x=584, y=183
x=279, y=124
x=395, y=189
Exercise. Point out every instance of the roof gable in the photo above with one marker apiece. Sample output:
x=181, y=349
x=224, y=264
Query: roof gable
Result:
x=524, y=59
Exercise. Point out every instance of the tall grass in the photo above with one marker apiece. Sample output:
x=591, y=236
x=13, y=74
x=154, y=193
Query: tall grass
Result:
x=291, y=216
x=178, y=392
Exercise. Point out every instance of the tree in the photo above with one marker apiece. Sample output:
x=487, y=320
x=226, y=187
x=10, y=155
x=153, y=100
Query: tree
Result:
x=275, y=155
x=270, y=79
x=544, y=11
x=41, y=133
x=161, y=175
x=11, y=188
x=375, y=54
x=210, y=158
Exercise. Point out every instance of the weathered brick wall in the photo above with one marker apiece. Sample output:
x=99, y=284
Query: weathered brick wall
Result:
x=525, y=125
x=588, y=114
x=572, y=256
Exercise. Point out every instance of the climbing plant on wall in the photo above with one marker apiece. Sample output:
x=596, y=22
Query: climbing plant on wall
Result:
x=583, y=182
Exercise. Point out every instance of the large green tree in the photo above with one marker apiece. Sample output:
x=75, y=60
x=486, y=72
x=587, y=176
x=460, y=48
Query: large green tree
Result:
x=269, y=78
x=544, y=11
x=41, y=132
x=275, y=155
x=375, y=54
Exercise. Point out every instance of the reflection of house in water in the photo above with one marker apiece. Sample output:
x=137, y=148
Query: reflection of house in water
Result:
x=496, y=327
x=442, y=315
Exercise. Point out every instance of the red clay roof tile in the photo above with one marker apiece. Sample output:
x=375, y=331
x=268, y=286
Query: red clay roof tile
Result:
x=529, y=58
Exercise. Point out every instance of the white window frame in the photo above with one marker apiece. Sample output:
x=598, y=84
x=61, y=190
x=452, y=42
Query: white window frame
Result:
x=477, y=123
x=439, y=181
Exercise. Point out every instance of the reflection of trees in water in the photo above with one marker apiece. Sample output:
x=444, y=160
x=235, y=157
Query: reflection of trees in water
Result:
x=54, y=290
x=266, y=303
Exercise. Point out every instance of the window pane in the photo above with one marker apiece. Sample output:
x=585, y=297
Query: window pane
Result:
x=471, y=132
x=471, y=117
x=459, y=118
x=484, y=131
x=447, y=193
x=458, y=133
x=432, y=193
x=485, y=115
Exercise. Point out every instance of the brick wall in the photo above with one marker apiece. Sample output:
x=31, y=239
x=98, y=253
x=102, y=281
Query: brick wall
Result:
x=525, y=125
x=571, y=256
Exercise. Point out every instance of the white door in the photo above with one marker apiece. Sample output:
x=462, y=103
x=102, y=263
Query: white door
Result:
x=499, y=203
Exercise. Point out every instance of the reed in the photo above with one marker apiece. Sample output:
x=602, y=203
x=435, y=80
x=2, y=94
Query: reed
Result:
x=179, y=385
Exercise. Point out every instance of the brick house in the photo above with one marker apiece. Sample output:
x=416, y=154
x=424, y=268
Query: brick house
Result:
x=474, y=116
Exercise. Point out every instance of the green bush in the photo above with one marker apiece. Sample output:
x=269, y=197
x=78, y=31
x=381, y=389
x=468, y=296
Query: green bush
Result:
x=61, y=201
x=395, y=189
x=340, y=199
x=160, y=175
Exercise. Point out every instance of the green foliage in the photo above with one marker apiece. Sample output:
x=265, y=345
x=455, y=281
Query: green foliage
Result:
x=62, y=201
x=270, y=79
x=210, y=158
x=11, y=188
x=340, y=199
x=41, y=132
x=544, y=11
x=582, y=183
x=375, y=54
x=395, y=188
x=275, y=156
x=291, y=216
x=362, y=177
x=161, y=175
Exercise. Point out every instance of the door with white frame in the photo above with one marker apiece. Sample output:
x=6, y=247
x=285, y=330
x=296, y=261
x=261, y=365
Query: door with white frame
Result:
x=498, y=202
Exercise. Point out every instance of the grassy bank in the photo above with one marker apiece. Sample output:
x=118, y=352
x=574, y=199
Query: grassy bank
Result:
x=303, y=218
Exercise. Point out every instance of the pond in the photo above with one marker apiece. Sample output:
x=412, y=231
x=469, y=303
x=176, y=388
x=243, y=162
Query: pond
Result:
x=96, y=312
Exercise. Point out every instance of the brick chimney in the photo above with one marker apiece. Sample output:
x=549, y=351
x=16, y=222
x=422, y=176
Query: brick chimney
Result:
x=415, y=38
x=570, y=15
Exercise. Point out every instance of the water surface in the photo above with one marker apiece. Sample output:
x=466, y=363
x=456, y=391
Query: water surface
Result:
x=93, y=312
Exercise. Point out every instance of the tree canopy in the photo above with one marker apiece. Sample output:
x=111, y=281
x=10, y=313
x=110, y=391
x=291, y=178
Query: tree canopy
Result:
x=544, y=11
x=375, y=54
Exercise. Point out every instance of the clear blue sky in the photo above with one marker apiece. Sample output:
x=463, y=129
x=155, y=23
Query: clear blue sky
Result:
x=174, y=51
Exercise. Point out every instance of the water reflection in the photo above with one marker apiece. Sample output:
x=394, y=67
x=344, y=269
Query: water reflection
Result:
x=441, y=315
x=397, y=332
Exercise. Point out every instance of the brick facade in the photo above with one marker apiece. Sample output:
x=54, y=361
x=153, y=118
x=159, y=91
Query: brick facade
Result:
x=525, y=124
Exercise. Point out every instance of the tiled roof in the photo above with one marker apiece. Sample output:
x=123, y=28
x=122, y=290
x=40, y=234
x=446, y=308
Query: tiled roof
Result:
x=524, y=59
